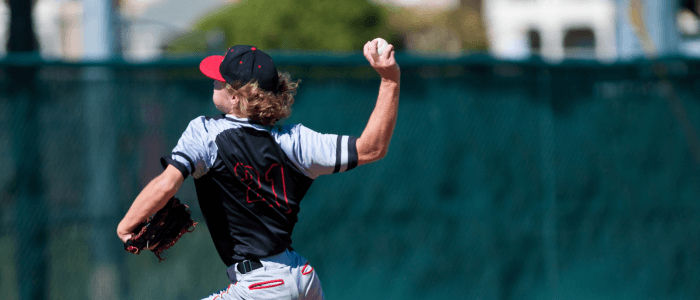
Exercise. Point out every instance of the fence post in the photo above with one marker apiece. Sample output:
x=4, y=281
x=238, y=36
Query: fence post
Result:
x=30, y=209
x=101, y=202
x=549, y=177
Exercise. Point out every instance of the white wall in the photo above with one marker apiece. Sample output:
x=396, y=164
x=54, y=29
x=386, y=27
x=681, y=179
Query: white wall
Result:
x=508, y=22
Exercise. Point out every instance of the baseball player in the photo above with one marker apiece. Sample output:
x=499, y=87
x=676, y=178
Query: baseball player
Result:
x=251, y=174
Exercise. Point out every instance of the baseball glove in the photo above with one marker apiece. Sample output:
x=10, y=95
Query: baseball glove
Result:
x=163, y=229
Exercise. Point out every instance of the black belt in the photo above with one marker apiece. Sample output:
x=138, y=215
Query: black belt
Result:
x=249, y=265
x=243, y=267
x=246, y=266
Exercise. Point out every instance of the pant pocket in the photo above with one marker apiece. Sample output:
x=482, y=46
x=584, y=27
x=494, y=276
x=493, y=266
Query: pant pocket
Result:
x=266, y=284
x=269, y=284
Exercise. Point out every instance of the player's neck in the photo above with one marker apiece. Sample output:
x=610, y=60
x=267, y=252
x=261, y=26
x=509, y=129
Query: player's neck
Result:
x=237, y=115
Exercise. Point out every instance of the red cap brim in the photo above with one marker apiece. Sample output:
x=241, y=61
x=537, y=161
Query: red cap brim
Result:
x=210, y=67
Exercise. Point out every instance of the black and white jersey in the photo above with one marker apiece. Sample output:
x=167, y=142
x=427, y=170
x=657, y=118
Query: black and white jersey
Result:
x=250, y=178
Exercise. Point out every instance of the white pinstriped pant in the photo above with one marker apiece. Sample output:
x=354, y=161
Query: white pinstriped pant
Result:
x=287, y=275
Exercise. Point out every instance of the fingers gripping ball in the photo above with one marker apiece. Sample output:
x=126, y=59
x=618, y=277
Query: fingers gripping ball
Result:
x=381, y=45
x=162, y=230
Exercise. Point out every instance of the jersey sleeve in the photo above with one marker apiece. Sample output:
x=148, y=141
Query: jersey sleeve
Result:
x=318, y=154
x=192, y=155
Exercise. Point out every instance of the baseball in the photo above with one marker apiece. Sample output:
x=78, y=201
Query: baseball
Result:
x=381, y=44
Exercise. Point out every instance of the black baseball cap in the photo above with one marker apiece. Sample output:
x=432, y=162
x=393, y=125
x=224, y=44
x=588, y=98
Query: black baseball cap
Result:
x=242, y=63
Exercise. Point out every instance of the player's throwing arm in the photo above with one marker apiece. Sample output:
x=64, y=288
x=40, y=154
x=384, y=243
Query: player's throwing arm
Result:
x=373, y=144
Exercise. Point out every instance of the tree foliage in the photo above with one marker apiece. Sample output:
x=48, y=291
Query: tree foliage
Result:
x=288, y=25
x=433, y=30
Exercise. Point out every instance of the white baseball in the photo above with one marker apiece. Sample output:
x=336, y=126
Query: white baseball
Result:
x=381, y=44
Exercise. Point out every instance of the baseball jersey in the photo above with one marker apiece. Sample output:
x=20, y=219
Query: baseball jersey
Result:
x=251, y=178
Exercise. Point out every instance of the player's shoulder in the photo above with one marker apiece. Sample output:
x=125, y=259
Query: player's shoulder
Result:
x=290, y=129
x=286, y=127
x=207, y=119
x=202, y=122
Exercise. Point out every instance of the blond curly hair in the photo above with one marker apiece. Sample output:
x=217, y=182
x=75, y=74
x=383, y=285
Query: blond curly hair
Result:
x=262, y=106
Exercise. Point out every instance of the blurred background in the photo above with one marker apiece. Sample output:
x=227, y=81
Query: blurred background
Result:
x=545, y=149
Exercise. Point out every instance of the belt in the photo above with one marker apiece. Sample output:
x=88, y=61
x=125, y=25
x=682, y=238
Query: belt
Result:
x=246, y=266
x=243, y=267
x=249, y=265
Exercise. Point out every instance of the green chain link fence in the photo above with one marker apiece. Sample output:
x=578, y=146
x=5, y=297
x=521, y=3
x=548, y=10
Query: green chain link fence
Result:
x=503, y=180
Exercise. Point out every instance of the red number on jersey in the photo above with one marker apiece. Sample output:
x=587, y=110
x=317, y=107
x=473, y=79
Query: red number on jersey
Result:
x=271, y=180
x=251, y=178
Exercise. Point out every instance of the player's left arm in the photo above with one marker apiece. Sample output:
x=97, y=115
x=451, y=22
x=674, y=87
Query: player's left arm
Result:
x=151, y=199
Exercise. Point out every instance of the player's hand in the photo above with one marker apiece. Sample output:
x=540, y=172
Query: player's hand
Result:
x=384, y=64
x=124, y=237
x=128, y=236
